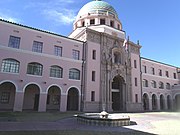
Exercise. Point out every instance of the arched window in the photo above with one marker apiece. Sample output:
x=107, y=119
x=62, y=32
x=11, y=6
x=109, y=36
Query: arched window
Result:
x=74, y=74
x=145, y=83
x=161, y=85
x=56, y=71
x=34, y=69
x=10, y=65
x=153, y=84
x=117, y=58
x=168, y=86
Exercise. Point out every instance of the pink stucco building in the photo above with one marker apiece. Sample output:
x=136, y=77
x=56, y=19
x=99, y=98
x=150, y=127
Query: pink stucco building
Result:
x=95, y=68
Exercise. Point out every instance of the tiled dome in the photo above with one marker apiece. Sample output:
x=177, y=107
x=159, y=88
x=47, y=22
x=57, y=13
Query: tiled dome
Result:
x=97, y=6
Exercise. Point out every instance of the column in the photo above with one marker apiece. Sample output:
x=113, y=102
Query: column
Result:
x=158, y=104
x=18, y=103
x=42, y=102
x=63, y=104
x=150, y=104
x=165, y=104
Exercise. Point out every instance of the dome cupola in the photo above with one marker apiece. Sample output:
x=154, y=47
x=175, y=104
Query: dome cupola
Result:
x=97, y=7
x=99, y=16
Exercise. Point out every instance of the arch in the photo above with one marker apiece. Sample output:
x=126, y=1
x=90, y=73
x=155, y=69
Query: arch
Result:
x=79, y=91
x=145, y=101
x=169, y=102
x=31, y=97
x=34, y=84
x=7, y=95
x=118, y=93
x=73, y=99
x=10, y=82
x=177, y=102
x=53, y=85
x=162, y=102
x=53, y=98
x=154, y=102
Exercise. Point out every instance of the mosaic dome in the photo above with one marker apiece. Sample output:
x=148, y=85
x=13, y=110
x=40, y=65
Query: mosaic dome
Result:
x=97, y=6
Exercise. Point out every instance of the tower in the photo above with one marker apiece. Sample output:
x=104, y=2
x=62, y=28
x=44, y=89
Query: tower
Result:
x=108, y=76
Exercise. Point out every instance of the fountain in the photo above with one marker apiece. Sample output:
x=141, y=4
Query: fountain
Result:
x=103, y=119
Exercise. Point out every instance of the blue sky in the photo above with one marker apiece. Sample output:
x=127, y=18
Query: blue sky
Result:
x=156, y=23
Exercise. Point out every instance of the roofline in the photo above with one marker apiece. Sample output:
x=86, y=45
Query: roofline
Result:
x=158, y=62
x=36, y=29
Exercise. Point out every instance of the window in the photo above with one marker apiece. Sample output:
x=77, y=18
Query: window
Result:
x=135, y=64
x=94, y=54
x=57, y=50
x=117, y=58
x=92, y=95
x=175, y=76
x=168, y=86
x=37, y=46
x=167, y=74
x=136, y=97
x=144, y=69
x=161, y=85
x=92, y=21
x=93, y=75
x=75, y=54
x=112, y=23
x=153, y=84
x=160, y=72
x=5, y=96
x=34, y=69
x=56, y=71
x=83, y=23
x=10, y=65
x=145, y=83
x=152, y=71
x=74, y=74
x=135, y=81
x=14, y=42
x=118, y=26
x=102, y=21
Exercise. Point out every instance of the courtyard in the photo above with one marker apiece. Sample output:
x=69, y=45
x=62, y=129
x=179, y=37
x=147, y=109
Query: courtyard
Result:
x=55, y=123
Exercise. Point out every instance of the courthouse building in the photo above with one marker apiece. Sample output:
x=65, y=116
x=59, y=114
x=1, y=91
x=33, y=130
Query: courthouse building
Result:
x=96, y=67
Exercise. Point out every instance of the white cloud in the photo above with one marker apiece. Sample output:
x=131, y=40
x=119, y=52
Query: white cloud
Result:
x=58, y=11
x=65, y=17
x=9, y=18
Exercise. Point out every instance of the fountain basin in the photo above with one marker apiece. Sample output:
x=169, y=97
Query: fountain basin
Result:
x=113, y=120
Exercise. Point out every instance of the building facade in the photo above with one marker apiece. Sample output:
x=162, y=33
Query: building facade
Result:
x=95, y=68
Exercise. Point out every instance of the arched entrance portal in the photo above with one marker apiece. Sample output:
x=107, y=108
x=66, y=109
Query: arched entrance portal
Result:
x=118, y=95
x=73, y=100
x=31, y=97
x=145, y=101
x=7, y=96
x=162, y=104
x=154, y=102
x=177, y=102
x=53, y=98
